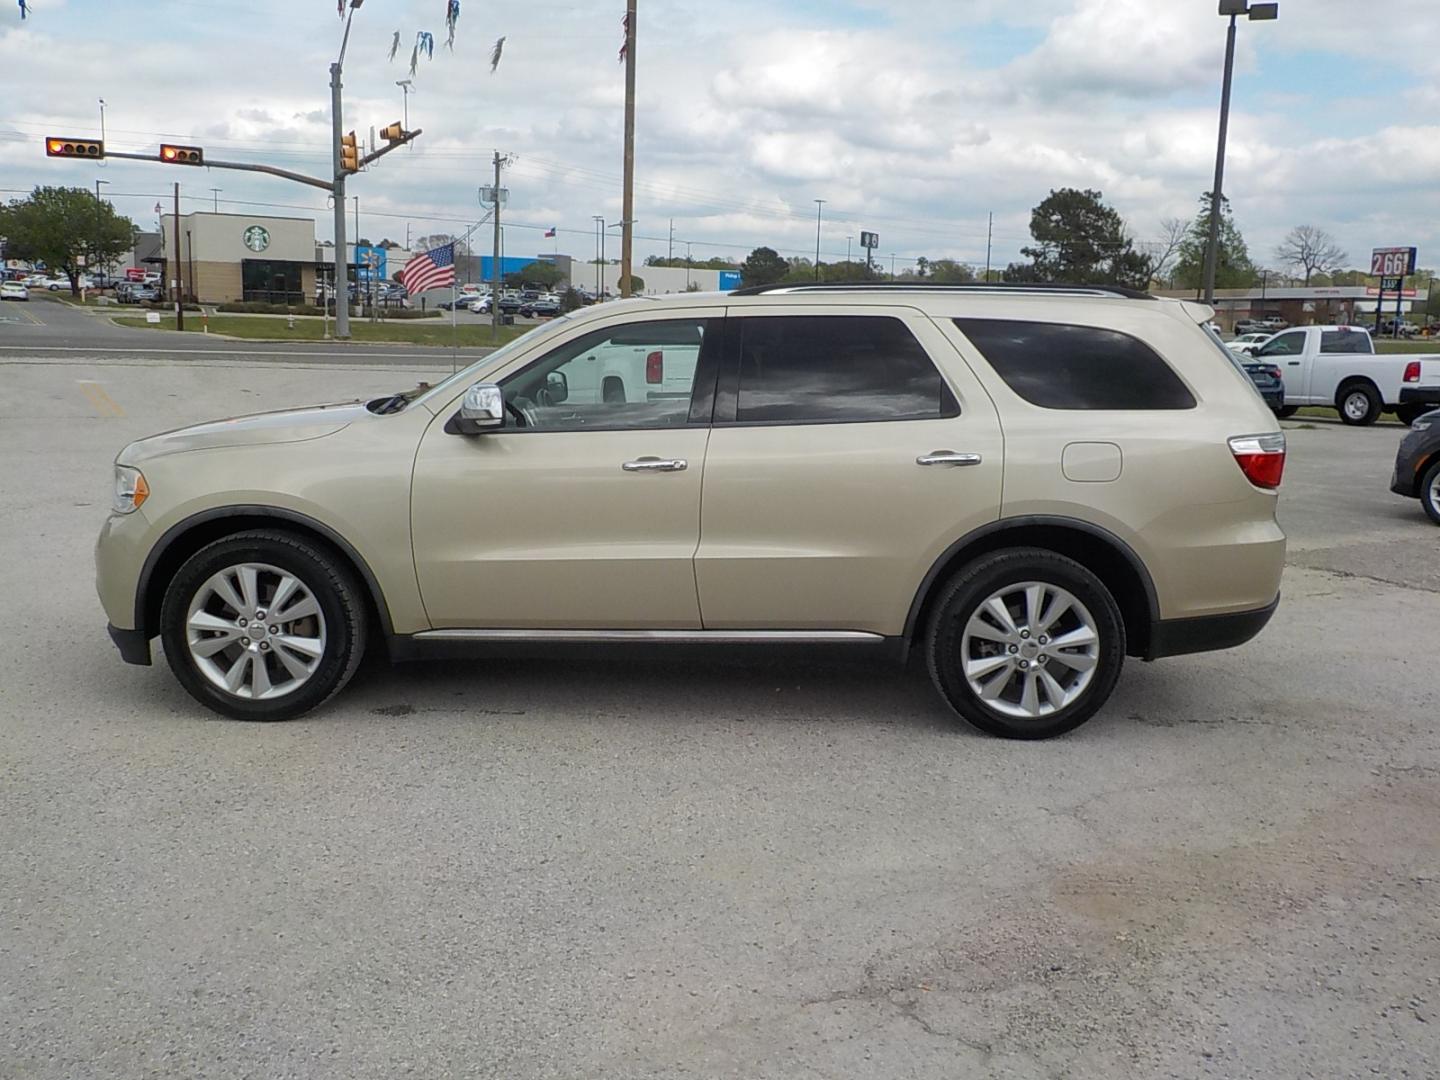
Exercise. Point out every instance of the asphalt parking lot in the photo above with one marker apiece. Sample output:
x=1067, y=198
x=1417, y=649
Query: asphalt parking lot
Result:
x=717, y=867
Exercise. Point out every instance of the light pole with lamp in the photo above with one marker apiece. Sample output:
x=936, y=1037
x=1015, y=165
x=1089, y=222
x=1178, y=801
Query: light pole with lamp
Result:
x=1255, y=13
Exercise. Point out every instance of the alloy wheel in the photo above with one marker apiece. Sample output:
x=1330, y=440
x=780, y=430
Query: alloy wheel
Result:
x=255, y=631
x=1030, y=649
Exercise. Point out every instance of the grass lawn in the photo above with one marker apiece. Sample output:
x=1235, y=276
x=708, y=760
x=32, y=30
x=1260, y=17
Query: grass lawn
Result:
x=409, y=332
x=1419, y=345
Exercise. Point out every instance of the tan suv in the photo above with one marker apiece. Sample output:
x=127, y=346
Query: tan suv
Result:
x=1025, y=484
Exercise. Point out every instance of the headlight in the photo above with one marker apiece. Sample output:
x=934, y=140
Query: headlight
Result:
x=130, y=490
x=1423, y=424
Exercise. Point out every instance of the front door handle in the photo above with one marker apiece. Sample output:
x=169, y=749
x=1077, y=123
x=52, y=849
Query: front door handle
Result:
x=1293, y=363
x=655, y=464
x=947, y=457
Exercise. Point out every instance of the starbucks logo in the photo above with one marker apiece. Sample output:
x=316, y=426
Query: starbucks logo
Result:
x=257, y=238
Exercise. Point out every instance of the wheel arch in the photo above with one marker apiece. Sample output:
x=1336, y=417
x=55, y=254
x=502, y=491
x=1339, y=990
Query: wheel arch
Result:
x=184, y=538
x=1100, y=551
x=1349, y=382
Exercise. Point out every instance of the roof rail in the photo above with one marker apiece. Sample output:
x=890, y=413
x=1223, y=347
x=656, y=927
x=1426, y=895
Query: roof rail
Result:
x=925, y=286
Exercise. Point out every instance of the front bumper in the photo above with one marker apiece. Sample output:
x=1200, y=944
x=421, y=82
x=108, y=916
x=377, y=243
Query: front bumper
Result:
x=1177, y=637
x=134, y=645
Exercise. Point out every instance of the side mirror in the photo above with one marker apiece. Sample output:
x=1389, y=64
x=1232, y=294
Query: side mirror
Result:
x=482, y=409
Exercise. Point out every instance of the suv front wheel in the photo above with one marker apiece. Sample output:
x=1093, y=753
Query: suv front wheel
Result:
x=1025, y=643
x=263, y=626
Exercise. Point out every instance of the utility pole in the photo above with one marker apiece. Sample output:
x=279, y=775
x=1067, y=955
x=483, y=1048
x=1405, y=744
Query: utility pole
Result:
x=179, y=274
x=670, y=249
x=989, y=235
x=599, y=255
x=627, y=213
x=215, y=191
x=495, y=276
x=819, y=206
x=847, y=250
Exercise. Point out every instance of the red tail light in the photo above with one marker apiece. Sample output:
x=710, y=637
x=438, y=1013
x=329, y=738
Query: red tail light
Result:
x=1412, y=371
x=655, y=367
x=1261, y=458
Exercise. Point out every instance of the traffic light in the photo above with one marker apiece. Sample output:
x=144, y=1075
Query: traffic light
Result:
x=181, y=155
x=349, y=154
x=76, y=148
x=393, y=133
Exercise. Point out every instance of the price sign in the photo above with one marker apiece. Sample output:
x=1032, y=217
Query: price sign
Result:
x=869, y=240
x=1390, y=284
x=1392, y=262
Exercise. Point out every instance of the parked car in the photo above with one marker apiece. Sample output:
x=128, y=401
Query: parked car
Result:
x=1248, y=343
x=1398, y=328
x=937, y=469
x=1269, y=381
x=460, y=303
x=13, y=290
x=131, y=293
x=1337, y=366
x=509, y=305
x=1419, y=388
x=1417, y=464
x=544, y=307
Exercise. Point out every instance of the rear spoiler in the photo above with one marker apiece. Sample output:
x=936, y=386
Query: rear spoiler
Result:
x=1201, y=313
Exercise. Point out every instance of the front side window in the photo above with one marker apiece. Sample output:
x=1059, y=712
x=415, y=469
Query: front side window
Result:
x=835, y=369
x=1060, y=366
x=636, y=375
x=1291, y=344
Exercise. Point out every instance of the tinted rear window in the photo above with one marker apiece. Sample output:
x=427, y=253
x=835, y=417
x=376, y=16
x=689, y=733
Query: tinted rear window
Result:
x=1345, y=341
x=1058, y=366
x=836, y=369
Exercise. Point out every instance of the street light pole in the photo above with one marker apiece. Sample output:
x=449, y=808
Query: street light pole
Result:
x=819, y=207
x=215, y=191
x=1234, y=9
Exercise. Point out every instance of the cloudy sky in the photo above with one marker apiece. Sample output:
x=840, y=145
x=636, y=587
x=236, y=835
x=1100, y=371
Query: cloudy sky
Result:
x=912, y=118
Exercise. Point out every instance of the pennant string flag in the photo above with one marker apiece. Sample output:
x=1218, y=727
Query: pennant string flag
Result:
x=24, y=10
x=625, y=43
x=425, y=42
x=452, y=16
x=495, y=55
x=340, y=8
x=395, y=45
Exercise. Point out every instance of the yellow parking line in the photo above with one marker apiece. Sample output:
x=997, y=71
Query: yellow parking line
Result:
x=99, y=400
x=22, y=311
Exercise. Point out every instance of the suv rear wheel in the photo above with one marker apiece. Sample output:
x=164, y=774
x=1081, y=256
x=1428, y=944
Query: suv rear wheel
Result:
x=1026, y=644
x=263, y=626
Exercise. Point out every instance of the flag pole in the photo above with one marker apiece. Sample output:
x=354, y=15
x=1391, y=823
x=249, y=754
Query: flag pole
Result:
x=454, y=341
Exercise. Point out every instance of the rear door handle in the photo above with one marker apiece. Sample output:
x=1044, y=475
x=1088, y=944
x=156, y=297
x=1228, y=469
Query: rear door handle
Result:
x=655, y=464
x=1293, y=363
x=947, y=457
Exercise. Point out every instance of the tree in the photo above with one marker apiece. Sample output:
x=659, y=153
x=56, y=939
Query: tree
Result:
x=536, y=273
x=1233, y=268
x=763, y=266
x=1172, y=236
x=57, y=226
x=434, y=240
x=1310, y=249
x=694, y=264
x=1080, y=240
x=950, y=272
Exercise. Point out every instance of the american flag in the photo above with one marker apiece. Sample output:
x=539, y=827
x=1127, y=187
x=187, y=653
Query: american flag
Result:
x=433, y=269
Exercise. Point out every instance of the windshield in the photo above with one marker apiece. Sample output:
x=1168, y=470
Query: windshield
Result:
x=467, y=375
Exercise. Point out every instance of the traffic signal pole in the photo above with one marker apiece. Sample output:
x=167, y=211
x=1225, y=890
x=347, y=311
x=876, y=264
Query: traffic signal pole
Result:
x=342, y=260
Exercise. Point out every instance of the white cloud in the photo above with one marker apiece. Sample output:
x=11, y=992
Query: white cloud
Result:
x=908, y=121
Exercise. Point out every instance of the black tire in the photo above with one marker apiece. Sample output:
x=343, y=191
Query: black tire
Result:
x=968, y=590
x=1351, y=393
x=328, y=580
x=1430, y=491
x=1287, y=411
x=1408, y=414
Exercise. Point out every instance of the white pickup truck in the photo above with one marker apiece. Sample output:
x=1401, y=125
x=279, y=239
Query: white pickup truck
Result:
x=1337, y=366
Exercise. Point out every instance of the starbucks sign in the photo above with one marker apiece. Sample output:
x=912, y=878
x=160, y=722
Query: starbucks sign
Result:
x=257, y=238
